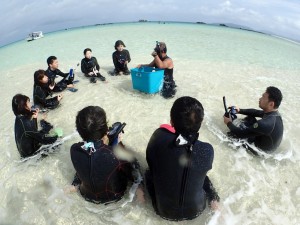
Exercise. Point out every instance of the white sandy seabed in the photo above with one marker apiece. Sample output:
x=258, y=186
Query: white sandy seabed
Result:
x=209, y=62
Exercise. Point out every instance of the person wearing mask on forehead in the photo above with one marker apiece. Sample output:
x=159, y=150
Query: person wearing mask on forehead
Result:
x=42, y=90
x=90, y=67
x=53, y=71
x=121, y=58
x=27, y=136
x=163, y=61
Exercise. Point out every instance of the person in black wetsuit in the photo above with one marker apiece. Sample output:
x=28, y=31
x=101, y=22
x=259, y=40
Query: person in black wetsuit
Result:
x=101, y=174
x=178, y=163
x=53, y=71
x=42, y=90
x=265, y=133
x=90, y=66
x=28, y=138
x=121, y=58
x=162, y=61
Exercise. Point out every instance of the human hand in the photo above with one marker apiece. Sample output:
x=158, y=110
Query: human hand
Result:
x=35, y=113
x=59, y=97
x=227, y=119
x=140, y=195
x=90, y=73
x=236, y=108
x=139, y=66
x=154, y=53
x=126, y=62
x=105, y=140
x=51, y=86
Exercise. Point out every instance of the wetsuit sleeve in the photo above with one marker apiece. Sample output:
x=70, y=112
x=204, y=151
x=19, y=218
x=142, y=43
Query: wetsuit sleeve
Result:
x=84, y=67
x=128, y=56
x=115, y=59
x=252, y=112
x=96, y=63
x=262, y=127
x=39, y=136
x=58, y=72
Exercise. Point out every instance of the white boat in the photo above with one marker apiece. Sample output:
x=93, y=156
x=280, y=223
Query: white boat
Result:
x=35, y=35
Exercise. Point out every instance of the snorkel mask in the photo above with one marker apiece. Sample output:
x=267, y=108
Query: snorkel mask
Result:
x=157, y=48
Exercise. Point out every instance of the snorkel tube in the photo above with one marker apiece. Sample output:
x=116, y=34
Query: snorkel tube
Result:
x=232, y=111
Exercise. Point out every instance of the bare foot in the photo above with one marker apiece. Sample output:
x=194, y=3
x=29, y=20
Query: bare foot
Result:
x=214, y=205
x=70, y=85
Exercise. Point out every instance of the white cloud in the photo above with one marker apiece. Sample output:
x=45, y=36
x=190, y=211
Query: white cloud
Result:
x=19, y=17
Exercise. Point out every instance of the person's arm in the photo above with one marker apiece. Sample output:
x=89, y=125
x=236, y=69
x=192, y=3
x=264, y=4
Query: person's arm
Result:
x=128, y=59
x=84, y=69
x=251, y=112
x=58, y=72
x=163, y=64
x=96, y=64
x=115, y=59
x=261, y=127
x=39, y=136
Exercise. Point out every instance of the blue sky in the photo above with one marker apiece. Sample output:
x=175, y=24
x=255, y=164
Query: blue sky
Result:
x=19, y=17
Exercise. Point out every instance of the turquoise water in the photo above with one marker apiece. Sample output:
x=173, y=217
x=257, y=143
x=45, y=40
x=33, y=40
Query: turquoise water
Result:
x=209, y=62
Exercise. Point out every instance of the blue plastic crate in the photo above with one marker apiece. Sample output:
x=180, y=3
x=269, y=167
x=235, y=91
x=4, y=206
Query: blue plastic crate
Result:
x=147, y=79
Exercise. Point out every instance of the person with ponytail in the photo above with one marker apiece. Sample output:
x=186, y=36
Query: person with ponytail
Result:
x=178, y=163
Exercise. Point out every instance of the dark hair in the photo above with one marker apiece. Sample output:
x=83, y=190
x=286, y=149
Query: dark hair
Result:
x=19, y=103
x=86, y=50
x=274, y=95
x=163, y=47
x=38, y=76
x=187, y=115
x=51, y=59
x=91, y=123
x=118, y=43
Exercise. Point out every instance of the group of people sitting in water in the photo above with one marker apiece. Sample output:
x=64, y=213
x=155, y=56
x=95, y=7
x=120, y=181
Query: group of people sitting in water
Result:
x=176, y=178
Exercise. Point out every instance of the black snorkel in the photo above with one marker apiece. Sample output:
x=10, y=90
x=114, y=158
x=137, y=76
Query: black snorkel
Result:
x=157, y=49
x=232, y=111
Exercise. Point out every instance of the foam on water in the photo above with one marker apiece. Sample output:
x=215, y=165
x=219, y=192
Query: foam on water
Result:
x=210, y=62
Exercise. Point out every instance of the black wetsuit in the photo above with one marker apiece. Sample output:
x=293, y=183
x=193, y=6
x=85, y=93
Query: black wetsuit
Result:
x=28, y=138
x=103, y=177
x=266, y=133
x=119, y=59
x=87, y=65
x=61, y=85
x=40, y=94
x=169, y=86
x=178, y=191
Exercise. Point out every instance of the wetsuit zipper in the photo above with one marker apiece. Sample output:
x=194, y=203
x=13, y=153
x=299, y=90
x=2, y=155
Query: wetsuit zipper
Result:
x=91, y=177
x=185, y=179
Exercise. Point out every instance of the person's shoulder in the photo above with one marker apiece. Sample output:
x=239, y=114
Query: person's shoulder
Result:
x=76, y=145
x=204, y=146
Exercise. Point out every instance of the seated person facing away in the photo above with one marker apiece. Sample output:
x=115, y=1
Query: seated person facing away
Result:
x=90, y=66
x=42, y=90
x=53, y=71
x=121, y=58
x=265, y=133
x=101, y=174
x=27, y=136
x=162, y=61
x=178, y=163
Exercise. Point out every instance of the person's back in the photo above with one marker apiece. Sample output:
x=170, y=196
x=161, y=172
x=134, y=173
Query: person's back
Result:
x=178, y=163
x=178, y=188
x=102, y=176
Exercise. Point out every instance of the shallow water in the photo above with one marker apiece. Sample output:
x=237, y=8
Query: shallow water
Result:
x=209, y=62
